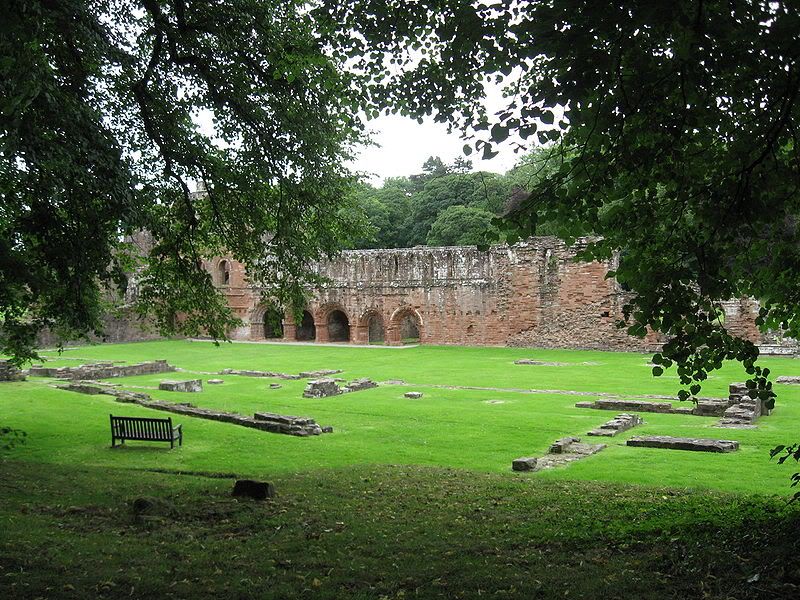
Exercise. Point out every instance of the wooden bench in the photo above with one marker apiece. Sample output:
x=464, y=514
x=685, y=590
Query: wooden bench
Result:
x=145, y=429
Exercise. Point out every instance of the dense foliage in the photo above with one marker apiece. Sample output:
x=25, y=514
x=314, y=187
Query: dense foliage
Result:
x=99, y=105
x=445, y=204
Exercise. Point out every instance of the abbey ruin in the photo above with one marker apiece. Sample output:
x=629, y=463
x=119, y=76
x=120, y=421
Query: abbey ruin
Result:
x=530, y=294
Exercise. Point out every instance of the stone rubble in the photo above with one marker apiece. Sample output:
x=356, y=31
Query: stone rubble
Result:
x=325, y=387
x=413, y=395
x=9, y=372
x=321, y=388
x=215, y=381
x=618, y=424
x=788, y=379
x=681, y=443
x=189, y=385
x=102, y=370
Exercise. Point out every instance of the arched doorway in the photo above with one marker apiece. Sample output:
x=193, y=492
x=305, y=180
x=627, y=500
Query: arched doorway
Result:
x=306, y=330
x=405, y=327
x=273, y=324
x=409, y=329
x=376, y=334
x=338, y=326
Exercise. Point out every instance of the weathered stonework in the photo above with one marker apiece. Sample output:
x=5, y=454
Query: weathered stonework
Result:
x=270, y=422
x=9, y=372
x=618, y=424
x=190, y=385
x=563, y=451
x=102, y=370
x=679, y=443
x=530, y=294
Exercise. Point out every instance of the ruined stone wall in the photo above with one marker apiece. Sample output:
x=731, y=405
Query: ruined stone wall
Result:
x=530, y=294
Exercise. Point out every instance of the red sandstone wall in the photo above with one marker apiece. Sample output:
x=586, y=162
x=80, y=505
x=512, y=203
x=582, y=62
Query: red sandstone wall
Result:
x=530, y=294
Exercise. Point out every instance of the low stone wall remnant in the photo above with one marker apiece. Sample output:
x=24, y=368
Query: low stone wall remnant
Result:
x=681, y=443
x=618, y=424
x=359, y=384
x=102, y=370
x=563, y=451
x=248, y=373
x=270, y=422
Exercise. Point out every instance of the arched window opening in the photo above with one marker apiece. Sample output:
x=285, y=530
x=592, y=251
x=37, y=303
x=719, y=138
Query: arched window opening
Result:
x=224, y=272
x=338, y=327
x=306, y=330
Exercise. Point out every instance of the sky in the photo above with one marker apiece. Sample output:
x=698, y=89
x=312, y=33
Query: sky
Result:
x=405, y=144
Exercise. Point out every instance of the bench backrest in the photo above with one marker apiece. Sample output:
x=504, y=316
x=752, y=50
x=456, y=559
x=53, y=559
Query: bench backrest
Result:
x=141, y=428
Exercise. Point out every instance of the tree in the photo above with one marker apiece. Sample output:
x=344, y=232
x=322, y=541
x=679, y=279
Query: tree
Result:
x=674, y=131
x=460, y=226
x=98, y=139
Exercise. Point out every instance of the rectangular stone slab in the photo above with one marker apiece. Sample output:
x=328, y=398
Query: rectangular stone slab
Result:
x=679, y=443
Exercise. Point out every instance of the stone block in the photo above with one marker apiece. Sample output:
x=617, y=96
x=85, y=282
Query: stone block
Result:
x=413, y=395
x=275, y=386
x=215, y=381
x=681, y=443
x=562, y=445
x=257, y=490
x=711, y=408
x=788, y=380
x=524, y=464
x=189, y=385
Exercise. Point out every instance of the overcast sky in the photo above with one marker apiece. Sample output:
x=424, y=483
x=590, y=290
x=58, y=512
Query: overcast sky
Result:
x=405, y=144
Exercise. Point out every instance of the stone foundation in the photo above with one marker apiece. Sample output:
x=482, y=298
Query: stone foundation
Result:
x=562, y=451
x=679, y=443
x=102, y=370
x=273, y=423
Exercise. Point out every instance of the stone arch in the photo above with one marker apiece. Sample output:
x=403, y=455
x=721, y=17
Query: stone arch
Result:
x=333, y=323
x=222, y=274
x=266, y=322
x=370, y=328
x=306, y=329
x=404, y=324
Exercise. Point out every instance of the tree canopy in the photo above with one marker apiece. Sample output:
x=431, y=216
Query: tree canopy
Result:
x=100, y=102
x=675, y=140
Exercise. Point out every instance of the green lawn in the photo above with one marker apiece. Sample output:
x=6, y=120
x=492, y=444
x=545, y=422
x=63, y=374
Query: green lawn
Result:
x=407, y=498
x=474, y=429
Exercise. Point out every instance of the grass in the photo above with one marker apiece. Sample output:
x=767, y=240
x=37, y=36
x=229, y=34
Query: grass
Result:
x=406, y=498
x=475, y=429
